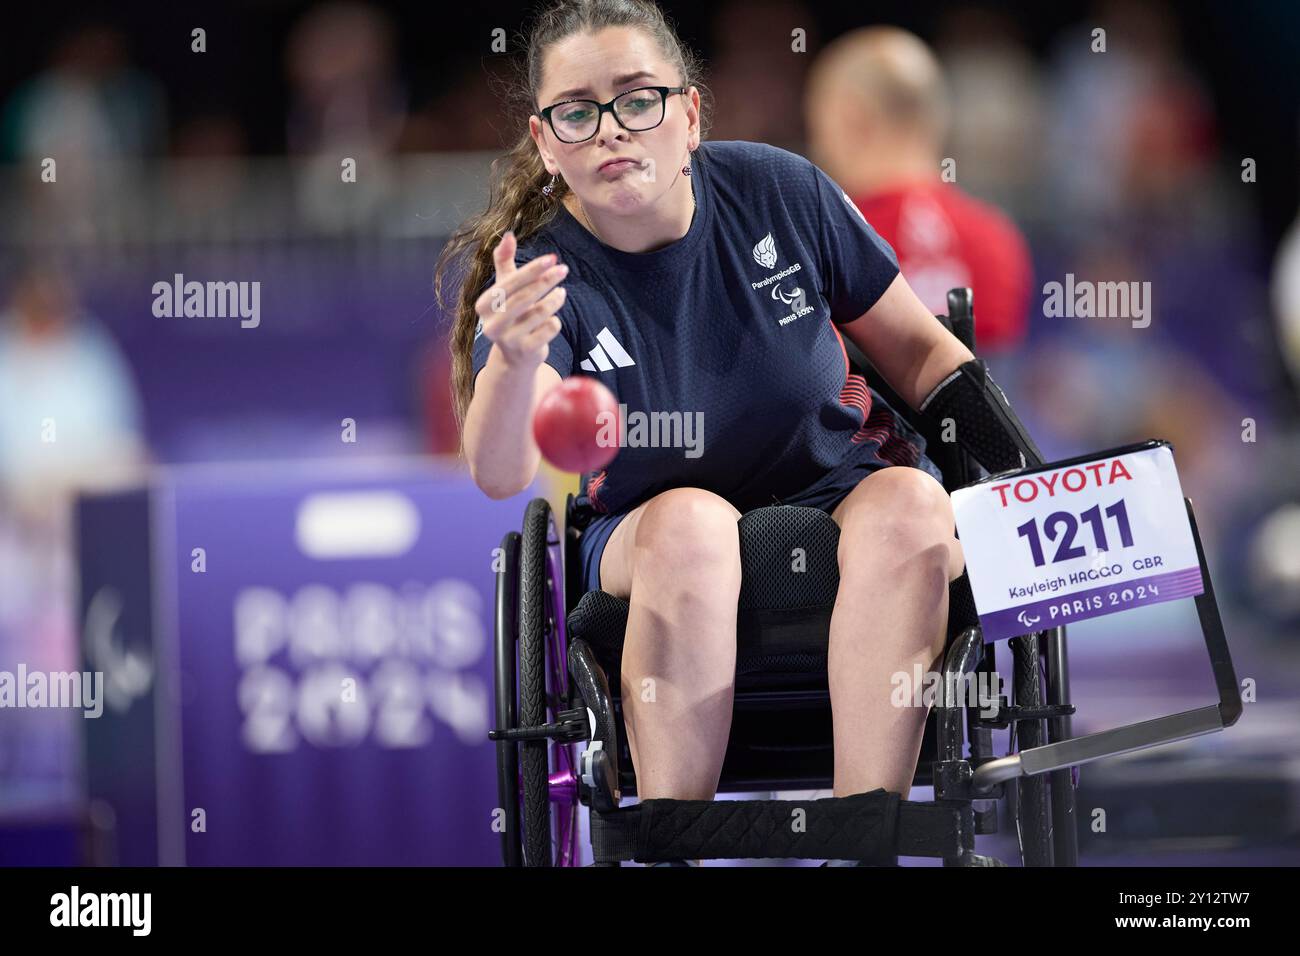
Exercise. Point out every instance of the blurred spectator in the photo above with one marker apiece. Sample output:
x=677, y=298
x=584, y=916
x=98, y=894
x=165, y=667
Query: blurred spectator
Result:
x=69, y=419
x=1132, y=137
x=1132, y=159
x=95, y=116
x=344, y=87
x=90, y=103
x=467, y=113
x=69, y=412
x=996, y=106
x=213, y=170
x=346, y=102
x=877, y=115
x=1286, y=301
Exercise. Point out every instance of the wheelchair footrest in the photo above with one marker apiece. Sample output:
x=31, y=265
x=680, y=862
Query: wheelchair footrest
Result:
x=864, y=826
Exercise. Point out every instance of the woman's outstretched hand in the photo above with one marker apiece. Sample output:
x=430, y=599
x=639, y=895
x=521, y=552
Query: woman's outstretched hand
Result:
x=517, y=311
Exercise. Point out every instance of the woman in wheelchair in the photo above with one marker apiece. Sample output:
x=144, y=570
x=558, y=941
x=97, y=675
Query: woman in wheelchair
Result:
x=715, y=280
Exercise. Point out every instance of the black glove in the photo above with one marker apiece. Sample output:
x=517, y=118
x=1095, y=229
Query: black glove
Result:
x=986, y=427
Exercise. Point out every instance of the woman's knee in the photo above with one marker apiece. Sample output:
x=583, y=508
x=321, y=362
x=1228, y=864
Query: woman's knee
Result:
x=689, y=532
x=904, y=509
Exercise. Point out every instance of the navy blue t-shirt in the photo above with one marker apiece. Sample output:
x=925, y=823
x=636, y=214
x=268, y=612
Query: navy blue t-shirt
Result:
x=729, y=334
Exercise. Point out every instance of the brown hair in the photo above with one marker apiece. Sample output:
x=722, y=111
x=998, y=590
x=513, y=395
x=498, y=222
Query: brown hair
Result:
x=516, y=201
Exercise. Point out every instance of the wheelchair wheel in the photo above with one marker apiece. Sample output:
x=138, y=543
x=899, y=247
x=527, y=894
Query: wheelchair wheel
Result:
x=550, y=799
x=1032, y=808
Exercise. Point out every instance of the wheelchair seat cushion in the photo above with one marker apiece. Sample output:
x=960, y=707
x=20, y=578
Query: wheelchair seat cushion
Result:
x=788, y=558
x=789, y=578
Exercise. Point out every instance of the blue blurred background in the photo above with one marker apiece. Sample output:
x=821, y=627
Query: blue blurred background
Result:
x=225, y=164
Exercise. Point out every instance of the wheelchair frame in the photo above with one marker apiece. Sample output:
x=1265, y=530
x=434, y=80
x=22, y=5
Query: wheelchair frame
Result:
x=541, y=673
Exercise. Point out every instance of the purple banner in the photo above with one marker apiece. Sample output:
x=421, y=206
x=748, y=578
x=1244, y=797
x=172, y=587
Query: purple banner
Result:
x=318, y=642
x=1095, y=602
x=335, y=710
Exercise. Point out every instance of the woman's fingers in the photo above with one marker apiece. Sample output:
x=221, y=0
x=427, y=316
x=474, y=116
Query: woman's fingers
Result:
x=543, y=310
x=524, y=298
x=498, y=296
x=494, y=297
x=544, y=284
x=534, y=318
x=520, y=316
x=504, y=256
x=518, y=309
x=541, y=336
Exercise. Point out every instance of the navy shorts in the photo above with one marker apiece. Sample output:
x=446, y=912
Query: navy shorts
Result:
x=825, y=493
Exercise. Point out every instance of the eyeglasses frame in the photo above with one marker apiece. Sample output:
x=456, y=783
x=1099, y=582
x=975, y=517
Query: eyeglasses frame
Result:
x=608, y=107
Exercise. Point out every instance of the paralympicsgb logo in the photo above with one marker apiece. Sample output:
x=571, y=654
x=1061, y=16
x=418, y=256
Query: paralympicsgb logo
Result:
x=765, y=252
x=765, y=255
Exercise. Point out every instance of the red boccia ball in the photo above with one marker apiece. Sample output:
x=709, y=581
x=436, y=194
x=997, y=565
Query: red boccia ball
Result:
x=571, y=421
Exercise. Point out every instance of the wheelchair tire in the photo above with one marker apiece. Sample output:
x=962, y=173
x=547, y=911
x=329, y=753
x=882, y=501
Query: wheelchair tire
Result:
x=550, y=799
x=533, y=591
x=1032, y=809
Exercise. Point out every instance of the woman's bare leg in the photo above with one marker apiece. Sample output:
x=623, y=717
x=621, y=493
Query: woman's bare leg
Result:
x=897, y=555
x=678, y=557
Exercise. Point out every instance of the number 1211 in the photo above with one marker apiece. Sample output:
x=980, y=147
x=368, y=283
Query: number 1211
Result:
x=1064, y=525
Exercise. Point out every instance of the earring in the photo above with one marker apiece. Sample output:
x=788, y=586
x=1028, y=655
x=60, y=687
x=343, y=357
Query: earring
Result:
x=686, y=170
x=550, y=187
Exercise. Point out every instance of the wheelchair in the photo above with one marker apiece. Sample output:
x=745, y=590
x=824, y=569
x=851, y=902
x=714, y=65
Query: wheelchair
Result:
x=557, y=689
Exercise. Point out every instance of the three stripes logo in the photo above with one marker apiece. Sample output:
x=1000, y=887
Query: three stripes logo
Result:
x=607, y=354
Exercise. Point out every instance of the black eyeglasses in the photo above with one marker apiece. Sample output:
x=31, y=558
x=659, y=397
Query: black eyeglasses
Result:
x=574, y=121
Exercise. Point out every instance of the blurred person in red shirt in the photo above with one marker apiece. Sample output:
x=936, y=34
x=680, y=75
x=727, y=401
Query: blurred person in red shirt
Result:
x=877, y=114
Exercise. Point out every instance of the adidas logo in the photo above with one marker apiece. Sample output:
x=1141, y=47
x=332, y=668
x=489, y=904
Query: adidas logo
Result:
x=607, y=350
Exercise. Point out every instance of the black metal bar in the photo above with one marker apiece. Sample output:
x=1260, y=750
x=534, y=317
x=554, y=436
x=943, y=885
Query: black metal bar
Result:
x=1143, y=735
x=1061, y=785
x=1216, y=643
x=962, y=658
x=1033, y=809
x=1121, y=740
x=981, y=736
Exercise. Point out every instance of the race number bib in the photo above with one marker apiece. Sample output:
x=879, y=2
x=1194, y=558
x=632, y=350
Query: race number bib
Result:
x=1077, y=540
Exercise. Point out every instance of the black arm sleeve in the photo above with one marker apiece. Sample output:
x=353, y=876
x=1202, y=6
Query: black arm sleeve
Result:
x=984, y=424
